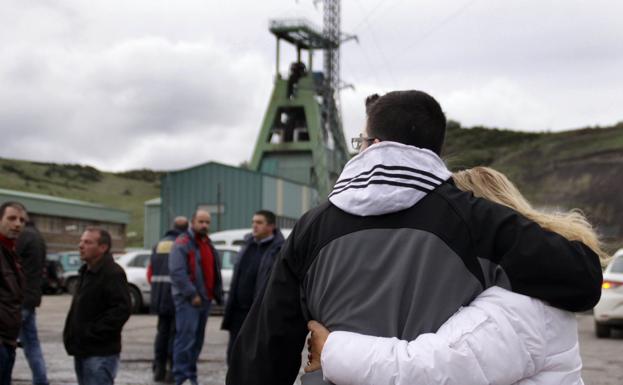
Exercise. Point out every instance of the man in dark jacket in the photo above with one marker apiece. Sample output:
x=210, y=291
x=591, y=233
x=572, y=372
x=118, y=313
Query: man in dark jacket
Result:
x=31, y=248
x=162, y=301
x=398, y=249
x=99, y=309
x=195, y=269
x=251, y=271
x=12, y=220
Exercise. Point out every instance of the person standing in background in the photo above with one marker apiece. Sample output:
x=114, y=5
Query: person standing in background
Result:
x=251, y=271
x=195, y=269
x=31, y=248
x=162, y=301
x=12, y=220
x=99, y=309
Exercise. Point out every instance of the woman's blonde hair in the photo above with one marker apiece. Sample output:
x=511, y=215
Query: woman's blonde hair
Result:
x=492, y=185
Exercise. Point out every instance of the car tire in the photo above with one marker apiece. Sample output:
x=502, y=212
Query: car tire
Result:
x=136, y=300
x=601, y=330
x=72, y=285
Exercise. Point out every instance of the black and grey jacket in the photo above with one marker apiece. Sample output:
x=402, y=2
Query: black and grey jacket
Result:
x=395, y=252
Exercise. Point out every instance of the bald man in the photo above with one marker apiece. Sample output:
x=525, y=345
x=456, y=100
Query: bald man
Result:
x=195, y=270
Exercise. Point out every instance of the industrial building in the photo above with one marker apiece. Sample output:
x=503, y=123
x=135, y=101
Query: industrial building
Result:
x=230, y=194
x=62, y=221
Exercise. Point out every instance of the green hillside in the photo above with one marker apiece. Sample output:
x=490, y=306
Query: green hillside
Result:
x=571, y=169
x=126, y=191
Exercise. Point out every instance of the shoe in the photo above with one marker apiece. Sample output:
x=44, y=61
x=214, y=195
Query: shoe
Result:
x=169, y=379
x=159, y=373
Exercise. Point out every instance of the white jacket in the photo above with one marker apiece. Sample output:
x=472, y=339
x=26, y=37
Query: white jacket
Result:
x=501, y=338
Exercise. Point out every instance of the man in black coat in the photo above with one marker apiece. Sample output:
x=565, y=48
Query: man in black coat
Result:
x=162, y=301
x=12, y=220
x=251, y=271
x=100, y=308
x=31, y=248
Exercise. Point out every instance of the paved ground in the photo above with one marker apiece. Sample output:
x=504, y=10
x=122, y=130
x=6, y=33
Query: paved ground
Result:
x=603, y=359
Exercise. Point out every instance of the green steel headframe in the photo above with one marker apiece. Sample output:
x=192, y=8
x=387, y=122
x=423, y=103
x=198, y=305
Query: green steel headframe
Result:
x=301, y=136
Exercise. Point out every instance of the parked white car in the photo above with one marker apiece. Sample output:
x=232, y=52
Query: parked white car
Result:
x=135, y=265
x=228, y=255
x=235, y=238
x=609, y=311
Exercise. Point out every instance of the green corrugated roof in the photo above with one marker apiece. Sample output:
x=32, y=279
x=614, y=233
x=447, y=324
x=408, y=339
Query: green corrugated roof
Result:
x=153, y=202
x=62, y=207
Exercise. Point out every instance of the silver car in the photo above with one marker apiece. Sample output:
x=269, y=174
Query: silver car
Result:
x=609, y=311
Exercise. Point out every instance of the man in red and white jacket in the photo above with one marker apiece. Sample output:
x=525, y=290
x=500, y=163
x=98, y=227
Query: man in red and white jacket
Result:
x=195, y=269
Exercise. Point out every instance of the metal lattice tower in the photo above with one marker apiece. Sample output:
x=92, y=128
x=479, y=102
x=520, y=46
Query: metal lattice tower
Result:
x=331, y=31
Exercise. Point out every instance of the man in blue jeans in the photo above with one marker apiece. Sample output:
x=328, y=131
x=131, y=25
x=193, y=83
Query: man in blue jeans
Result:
x=195, y=269
x=99, y=309
x=31, y=248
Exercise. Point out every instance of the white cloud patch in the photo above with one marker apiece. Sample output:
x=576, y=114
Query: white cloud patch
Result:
x=500, y=103
x=166, y=85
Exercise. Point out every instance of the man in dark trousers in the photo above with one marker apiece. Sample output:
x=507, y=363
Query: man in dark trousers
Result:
x=12, y=220
x=397, y=249
x=99, y=309
x=32, y=251
x=195, y=269
x=251, y=272
x=162, y=301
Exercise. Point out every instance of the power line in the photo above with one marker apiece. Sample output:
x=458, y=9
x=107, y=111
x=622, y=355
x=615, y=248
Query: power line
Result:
x=437, y=26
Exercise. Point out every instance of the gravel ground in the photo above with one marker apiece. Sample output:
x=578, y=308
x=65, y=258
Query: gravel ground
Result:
x=603, y=358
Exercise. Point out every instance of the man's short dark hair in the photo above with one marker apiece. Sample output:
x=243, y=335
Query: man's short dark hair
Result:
x=104, y=237
x=268, y=215
x=408, y=117
x=13, y=204
x=181, y=226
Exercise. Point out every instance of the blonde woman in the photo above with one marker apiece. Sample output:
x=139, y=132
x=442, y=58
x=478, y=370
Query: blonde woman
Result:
x=500, y=338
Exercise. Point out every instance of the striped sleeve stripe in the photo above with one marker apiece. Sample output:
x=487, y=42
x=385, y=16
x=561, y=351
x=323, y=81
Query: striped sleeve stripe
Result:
x=423, y=181
x=160, y=278
x=390, y=168
x=383, y=182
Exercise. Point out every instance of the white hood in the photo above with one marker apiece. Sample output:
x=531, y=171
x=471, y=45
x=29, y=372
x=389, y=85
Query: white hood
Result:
x=387, y=177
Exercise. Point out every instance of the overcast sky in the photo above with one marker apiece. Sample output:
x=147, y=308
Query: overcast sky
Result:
x=126, y=84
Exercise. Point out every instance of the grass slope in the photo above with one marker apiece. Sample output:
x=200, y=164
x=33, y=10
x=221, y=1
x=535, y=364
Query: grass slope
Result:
x=571, y=169
x=125, y=191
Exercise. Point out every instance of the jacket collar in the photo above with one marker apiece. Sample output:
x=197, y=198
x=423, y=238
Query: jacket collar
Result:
x=106, y=258
x=8, y=243
x=387, y=177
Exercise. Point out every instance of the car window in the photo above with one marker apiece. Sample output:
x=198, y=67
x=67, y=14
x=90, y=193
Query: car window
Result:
x=617, y=265
x=239, y=242
x=140, y=260
x=227, y=256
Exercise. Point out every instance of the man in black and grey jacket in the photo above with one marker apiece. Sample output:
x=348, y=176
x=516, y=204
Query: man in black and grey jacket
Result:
x=398, y=249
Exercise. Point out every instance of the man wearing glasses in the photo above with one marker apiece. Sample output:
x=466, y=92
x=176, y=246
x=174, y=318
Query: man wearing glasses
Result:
x=398, y=249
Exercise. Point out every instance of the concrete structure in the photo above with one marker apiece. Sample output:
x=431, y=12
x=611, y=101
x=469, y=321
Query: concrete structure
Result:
x=62, y=221
x=231, y=194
